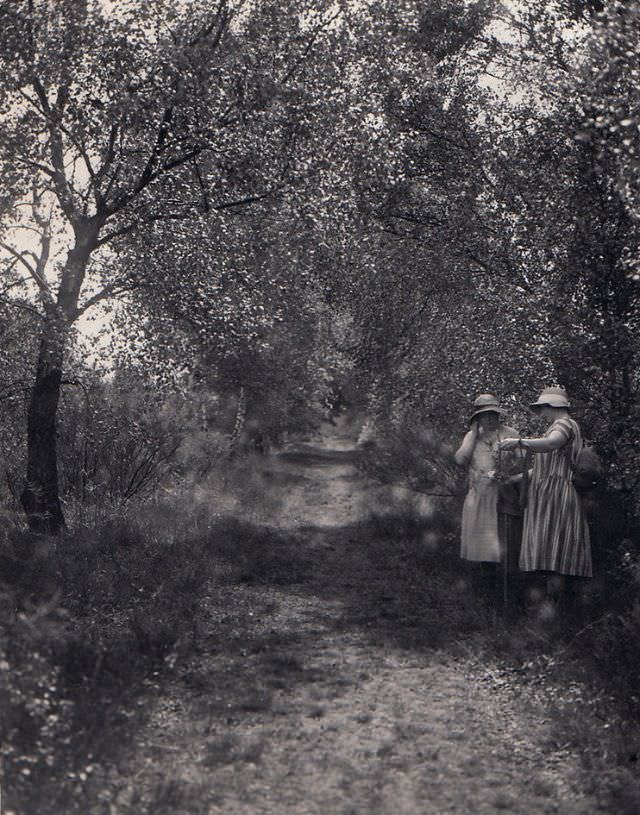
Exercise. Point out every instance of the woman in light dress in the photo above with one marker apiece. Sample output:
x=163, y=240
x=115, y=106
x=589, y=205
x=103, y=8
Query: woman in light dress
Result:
x=481, y=538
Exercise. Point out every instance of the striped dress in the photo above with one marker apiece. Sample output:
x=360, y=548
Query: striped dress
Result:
x=556, y=535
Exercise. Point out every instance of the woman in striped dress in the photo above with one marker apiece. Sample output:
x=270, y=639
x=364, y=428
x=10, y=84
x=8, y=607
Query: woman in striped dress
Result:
x=556, y=535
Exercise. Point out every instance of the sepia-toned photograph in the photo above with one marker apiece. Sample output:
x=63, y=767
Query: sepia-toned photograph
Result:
x=319, y=393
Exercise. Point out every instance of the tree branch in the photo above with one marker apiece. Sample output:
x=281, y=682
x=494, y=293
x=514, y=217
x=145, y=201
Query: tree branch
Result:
x=250, y=199
x=15, y=283
x=148, y=173
x=289, y=74
x=54, y=119
x=219, y=22
x=239, y=202
x=109, y=153
x=21, y=306
x=60, y=180
x=34, y=271
x=118, y=233
x=36, y=165
x=112, y=290
x=19, y=256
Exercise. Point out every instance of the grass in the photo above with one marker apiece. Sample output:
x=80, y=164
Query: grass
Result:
x=263, y=556
x=230, y=749
x=89, y=618
x=175, y=795
x=415, y=590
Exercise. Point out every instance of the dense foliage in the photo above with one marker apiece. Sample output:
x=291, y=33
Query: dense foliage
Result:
x=412, y=202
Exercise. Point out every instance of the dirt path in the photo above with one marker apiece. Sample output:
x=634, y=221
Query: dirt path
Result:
x=291, y=706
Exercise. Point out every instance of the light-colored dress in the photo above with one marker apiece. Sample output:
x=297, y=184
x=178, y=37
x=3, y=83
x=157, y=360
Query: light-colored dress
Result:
x=556, y=535
x=480, y=538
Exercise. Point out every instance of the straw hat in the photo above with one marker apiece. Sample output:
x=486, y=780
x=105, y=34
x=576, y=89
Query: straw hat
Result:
x=553, y=397
x=486, y=403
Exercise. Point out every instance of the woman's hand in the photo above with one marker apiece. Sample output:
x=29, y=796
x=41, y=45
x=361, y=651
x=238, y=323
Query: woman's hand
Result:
x=509, y=444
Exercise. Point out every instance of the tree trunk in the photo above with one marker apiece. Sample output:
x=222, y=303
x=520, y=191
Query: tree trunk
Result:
x=40, y=496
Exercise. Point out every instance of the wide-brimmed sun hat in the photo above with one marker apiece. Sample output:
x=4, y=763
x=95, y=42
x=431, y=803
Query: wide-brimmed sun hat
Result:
x=486, y=403
x=552, y=397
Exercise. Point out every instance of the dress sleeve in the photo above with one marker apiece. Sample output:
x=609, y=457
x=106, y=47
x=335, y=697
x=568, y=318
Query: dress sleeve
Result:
x=563, y=426
x=465, y=451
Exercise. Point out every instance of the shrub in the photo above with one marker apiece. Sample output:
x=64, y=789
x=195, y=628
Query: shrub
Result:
x=84, y=618
x=416, y=456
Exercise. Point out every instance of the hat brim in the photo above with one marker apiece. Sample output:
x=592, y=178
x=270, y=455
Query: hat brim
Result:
x=537, y=406
x=487, y=409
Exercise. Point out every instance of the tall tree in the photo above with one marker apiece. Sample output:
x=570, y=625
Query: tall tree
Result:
x=118, y=118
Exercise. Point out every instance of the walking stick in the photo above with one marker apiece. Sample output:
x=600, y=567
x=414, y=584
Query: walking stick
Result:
x=523, y=498
x=505, y=570
x=524, y=487
x=505, y=544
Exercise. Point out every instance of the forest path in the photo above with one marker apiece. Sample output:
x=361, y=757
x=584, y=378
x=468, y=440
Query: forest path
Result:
x=299, y=699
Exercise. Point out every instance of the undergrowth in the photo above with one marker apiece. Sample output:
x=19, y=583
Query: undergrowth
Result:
x=89, y=618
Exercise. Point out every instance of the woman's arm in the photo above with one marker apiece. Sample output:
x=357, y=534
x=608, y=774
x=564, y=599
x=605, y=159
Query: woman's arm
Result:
x=465, y=451
x=553, y=441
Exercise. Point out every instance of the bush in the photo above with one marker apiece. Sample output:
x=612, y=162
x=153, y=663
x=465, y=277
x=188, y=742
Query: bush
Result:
x=416, y=456
x=87, y=617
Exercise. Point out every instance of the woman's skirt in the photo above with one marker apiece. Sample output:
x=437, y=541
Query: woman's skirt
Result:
x=556, y=535
x=480, y=539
